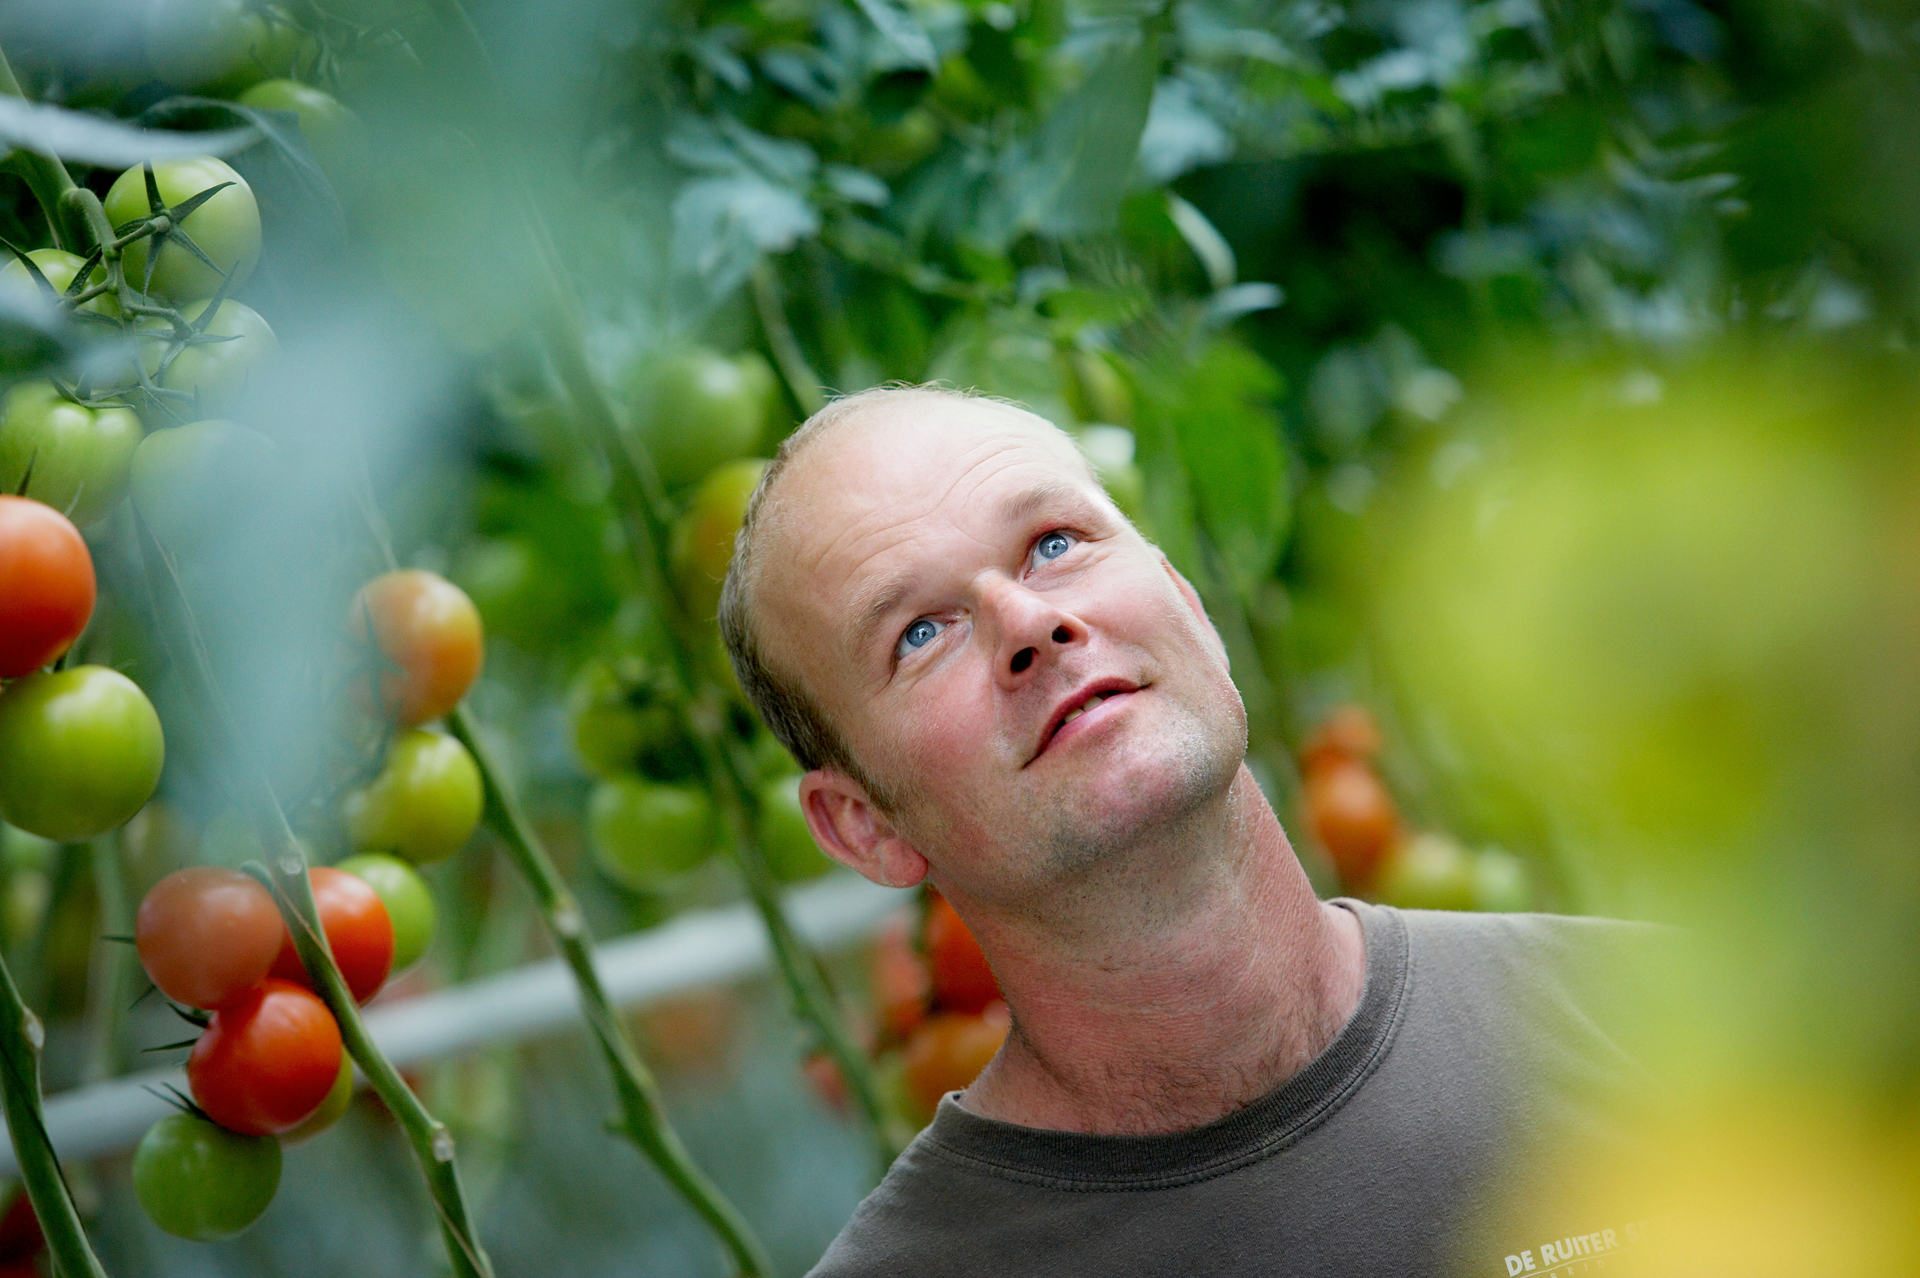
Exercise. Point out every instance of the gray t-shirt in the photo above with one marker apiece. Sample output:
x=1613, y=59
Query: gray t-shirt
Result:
x=1480, y=1064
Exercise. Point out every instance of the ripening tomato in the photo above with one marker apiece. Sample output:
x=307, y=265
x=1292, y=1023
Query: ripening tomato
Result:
x=81, y=456
x=331, y=1110
x=226, y=228
x=1348, y=733
x=57, y=267
x=703, y=539
x=423, y=805
x=426, y=626
x=207, y=935
x=409, y=903
x=267, y=1060
x=358, y=932
x=197, y=1180
x=80, y=752
x=962, y=981
x=902, y=985
x=1353, y=817
x=948, y=1051
x=46, y=585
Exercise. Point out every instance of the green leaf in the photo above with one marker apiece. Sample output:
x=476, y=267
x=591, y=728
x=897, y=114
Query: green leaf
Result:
x=53, y=130
x=904, y=30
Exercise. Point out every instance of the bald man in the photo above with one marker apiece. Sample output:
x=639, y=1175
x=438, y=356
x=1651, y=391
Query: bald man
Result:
x=996, y=683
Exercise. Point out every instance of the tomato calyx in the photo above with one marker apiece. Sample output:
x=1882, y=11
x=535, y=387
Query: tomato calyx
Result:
x=163, y=226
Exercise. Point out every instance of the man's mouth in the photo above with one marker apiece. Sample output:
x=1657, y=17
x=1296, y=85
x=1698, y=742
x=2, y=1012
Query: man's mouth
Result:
x=1083, y=703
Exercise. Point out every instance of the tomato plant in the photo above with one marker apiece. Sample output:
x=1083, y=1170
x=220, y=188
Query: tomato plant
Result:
x=58, y=267
x=81, y=457
x=216, y=366
x=46, y=585
x=424, y=804
x=786, y=842
x=198, y=1180
x=948, y=1051
x=645, y=834
x=409, y=903
x=267, y=1060
x=698, y=409
x=358, y=932
x=189, y=482
x=82, y=751
x=425, y=626
x=226, y=228
x=219, y=47
x=703, y=539
x=962, y=981
x=206, y=935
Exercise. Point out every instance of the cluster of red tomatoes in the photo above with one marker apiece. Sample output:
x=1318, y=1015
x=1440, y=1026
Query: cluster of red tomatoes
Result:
x=269, y=1068
x=1354, y=819
x=938, y=1014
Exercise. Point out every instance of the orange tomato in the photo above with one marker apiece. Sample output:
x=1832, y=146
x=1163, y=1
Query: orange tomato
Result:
x=902, y=986
x=358, y=932
x=1353, y=817
x=948, y=1052
x=46, y=585
x=962, y=981
x=425, y=626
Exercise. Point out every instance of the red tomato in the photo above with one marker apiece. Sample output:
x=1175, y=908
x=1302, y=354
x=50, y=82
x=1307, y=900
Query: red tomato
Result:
x=962, y=981
x=948, y=1052
x=1353, y=817
x=426, y=626
x=902, y=986
x=1347, y=733
x=46, y=585
x=20, y=1237
x=207, y=935
x=267, y=1060
x=358, y=932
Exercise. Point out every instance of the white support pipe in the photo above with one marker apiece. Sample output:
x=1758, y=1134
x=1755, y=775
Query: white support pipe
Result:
x=699, y=948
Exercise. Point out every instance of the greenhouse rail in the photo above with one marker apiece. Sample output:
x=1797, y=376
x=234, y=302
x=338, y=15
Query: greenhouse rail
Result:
x=699, y=948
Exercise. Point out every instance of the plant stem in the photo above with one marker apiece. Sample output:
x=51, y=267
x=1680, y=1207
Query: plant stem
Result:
x=642, y=1119
x=799, y=375
x=110, y=985
x=641, y=504
x=21, y=1037
x=285, y=874
x=45, y=175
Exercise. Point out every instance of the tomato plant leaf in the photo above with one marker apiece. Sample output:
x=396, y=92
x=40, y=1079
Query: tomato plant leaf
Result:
x=903, y=30
x=90, y=139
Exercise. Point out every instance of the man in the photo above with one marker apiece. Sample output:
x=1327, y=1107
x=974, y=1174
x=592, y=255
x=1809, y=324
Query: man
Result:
x=997, y=683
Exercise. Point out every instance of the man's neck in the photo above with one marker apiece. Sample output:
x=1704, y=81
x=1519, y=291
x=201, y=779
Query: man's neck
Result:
x=1181, y=1006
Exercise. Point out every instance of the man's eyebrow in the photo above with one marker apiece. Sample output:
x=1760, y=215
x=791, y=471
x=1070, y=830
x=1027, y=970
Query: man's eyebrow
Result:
x=880, y=602
x=1025, y=504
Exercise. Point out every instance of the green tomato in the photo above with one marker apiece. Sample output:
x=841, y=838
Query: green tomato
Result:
x=408, y=900
x=58, y=267
x=785, y=841
x=1501, y=884
x=226, y=227
x=200, y=1181
x=1428, y=872
x=81, y=457
x=80, y=752
x=331, y=1110
x=219, y=47
x=191, y=482
x=331, y=129
x=423, y=805
x=703, y=538
x=215, y=369
x=644, y=835
x=697, y=409
x=622, y=722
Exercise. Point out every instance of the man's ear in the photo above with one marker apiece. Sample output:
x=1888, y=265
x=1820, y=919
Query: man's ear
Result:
x=851, y=830
x=1192, y=596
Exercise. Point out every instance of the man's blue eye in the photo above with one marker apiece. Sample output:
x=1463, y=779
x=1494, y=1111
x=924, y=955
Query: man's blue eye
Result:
x=1053, y=545
x=918, y=635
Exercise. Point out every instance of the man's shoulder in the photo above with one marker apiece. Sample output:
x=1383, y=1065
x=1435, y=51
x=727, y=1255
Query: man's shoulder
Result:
x=919, y=1212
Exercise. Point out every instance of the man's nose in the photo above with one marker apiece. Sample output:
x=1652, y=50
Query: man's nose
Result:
x=1032, y=630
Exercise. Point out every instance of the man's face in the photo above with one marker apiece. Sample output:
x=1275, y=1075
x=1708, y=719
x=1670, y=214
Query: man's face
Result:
x=1003, y=653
